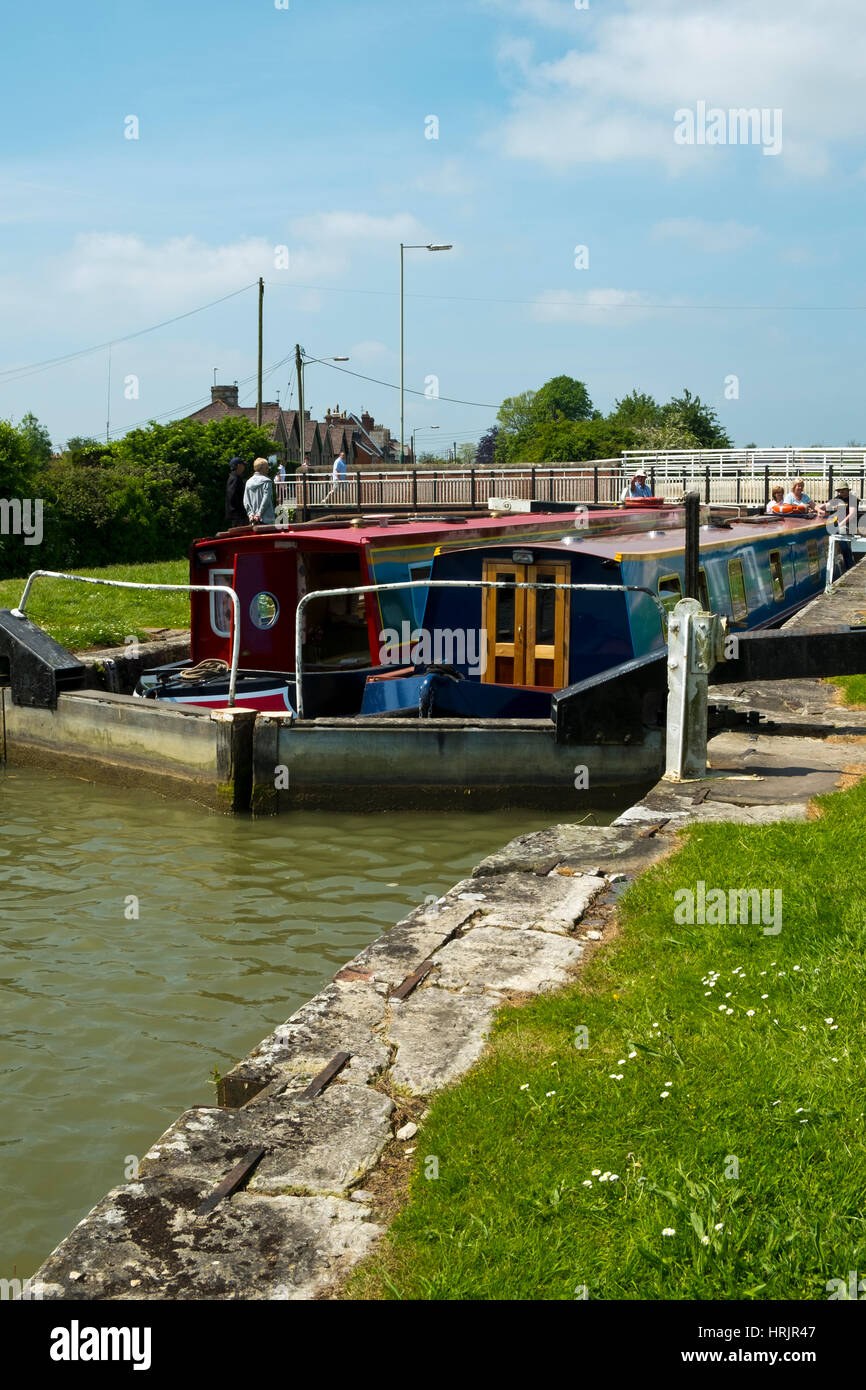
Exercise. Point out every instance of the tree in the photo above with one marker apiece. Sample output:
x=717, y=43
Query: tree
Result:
x=700, y=419
x=561, y=398
x=486, y=451
x=37, y=437
x=515, y=413
x=636, y=409
x=466, y=454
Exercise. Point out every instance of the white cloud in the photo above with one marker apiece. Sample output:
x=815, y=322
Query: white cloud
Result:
x=615, y=97
x=711, y=237
x=552, y=14
x=345, y=229
x=449, y=180
x=611, y=308
x=369, y=353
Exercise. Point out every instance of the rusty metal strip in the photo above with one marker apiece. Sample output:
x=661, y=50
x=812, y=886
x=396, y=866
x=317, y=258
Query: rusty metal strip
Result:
x=653, y=830
x=325, y=1076
x=231, y=1182
x=412, y=981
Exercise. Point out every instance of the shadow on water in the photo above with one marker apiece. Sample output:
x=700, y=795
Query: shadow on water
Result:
x=145, y=941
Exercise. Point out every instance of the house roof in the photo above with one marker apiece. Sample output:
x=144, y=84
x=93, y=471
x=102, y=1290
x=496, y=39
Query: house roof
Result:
x=219, y=410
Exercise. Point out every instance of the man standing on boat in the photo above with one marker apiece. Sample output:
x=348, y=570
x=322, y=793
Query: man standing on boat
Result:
x=235, y=514
x=637, y=487
x=259, y=495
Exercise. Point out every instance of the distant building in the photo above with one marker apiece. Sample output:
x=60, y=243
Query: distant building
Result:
x=366, y=444
x=283, y=425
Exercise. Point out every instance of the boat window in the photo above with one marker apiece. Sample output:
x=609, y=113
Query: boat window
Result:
x=737, y=588
x=221, y=604
x=545, y=611
x=814, y=557
x=335, y=625
x=670, y=590
x=418, y=597
x=776, y=575
x=704, y=590
x=505, y=603
x=264, y=610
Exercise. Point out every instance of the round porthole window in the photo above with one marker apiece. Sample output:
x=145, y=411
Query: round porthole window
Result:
x=264, y=610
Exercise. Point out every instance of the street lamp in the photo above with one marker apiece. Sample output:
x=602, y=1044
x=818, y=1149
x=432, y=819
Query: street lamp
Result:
x=417, y=430
x=301, y=359
x=428, y=246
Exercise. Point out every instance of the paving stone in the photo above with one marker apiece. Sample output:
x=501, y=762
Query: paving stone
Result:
x=342, y=1018
x=552, y=903
x=583, y=846
x=144, y=1241
x=402, y=949
x=438, y=1036
x=511, y=959
x=326, y=1145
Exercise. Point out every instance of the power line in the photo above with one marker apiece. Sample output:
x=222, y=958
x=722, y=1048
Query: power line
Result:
x=19, y=373
x=453, y=400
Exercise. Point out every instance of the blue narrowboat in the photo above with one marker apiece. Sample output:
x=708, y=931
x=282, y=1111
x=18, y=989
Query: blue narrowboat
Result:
x=502, y=652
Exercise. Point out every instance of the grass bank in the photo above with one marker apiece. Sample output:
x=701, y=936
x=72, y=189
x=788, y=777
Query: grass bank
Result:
x=853, y=688
x=707, y=1143
x=81, y=616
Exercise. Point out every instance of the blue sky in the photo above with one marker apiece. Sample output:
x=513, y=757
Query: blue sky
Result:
x=305, y=127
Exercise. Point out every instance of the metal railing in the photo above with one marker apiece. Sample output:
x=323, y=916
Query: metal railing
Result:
x=444, y=584
x=130, y=584
x=730, y=477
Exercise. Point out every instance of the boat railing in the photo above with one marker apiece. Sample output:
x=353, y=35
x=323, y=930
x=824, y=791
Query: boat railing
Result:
x=445, y=584
x=137, y=584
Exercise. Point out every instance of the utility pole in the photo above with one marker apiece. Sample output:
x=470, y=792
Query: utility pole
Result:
x=402, y=395
x=261, y=312
x=302, y=426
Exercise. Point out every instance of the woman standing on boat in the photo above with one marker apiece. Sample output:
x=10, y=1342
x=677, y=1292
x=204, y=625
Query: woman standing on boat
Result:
x=259, y=495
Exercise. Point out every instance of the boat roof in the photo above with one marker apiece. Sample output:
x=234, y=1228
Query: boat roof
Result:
x=379, y=528
x=668, y=541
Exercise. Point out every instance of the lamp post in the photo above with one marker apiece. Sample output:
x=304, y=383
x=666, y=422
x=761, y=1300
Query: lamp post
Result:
x=429, y=246
x=301, y=359
x=417, y=430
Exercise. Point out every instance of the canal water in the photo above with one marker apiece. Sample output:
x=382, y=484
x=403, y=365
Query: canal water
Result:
x=144, y=942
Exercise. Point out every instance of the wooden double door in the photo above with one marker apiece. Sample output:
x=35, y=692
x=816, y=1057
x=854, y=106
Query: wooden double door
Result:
x=526, y=630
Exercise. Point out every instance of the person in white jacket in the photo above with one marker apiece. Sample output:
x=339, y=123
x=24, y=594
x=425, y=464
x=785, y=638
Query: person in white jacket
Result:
x=259, y=495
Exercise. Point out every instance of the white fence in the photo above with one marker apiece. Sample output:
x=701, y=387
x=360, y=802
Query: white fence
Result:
x=722, y=476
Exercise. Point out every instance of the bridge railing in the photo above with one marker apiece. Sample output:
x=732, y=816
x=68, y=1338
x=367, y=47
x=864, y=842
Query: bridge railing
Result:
x=732, y=476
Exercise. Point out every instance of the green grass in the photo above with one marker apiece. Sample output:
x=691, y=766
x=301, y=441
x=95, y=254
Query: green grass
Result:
x=87, y=615
x=853, y=688
x=776, y=1097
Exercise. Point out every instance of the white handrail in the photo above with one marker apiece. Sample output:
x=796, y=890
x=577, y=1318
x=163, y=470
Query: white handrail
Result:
x=136, y=584
x=443, y=584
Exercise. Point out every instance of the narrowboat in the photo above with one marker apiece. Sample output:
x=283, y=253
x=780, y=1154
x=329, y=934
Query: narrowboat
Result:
x=503, y=652
x=271, y=568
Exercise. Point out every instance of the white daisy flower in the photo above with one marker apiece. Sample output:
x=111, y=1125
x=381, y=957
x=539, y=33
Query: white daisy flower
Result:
x=668, y=1231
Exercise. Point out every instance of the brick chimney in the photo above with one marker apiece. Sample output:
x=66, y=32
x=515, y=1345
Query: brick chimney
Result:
x=367, y=421
x=227, y=394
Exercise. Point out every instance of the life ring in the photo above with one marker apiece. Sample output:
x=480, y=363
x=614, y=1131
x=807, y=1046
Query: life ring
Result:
x=642, y=503
x=793, y=509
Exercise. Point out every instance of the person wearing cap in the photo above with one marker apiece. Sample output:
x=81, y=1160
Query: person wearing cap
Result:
x=637, y=487
x=840, y=508
x=235, y=514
